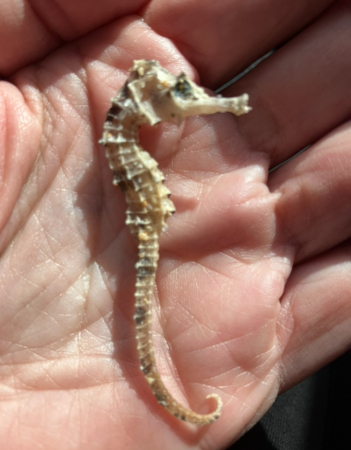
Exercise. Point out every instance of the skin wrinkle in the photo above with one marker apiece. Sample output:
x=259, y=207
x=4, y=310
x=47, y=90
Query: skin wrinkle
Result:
x=32, y=348
x=92, y=269
x=54, y=179
x=191, y=323
x=194, y=196
x=268, y=352
x=215, y=241
x=315, y=324
x=54, y=360
x=237, y=363
x=78, y=68
x=19, y=350
x=45, y=24
x=15, y=423
x=60, y=267
x=38, y=331
x=223, y=374
x=6, y=155
x=36, y=204
x=48, y=238
x=171, y=363
x=176, y=256
x=225, y=141
x=70, y=128
x=27, y=280
x=210, y=270
x=238, y=338
x=307, y=192
x=290, y=299
x=15, y=316
x=31, y=96
x=202, y=176
x=5, y=132
x=273, y=351
x=31, y=387
x=52, y=300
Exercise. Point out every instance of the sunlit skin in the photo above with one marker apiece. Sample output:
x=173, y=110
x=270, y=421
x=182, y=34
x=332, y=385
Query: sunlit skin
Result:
x=253, y=286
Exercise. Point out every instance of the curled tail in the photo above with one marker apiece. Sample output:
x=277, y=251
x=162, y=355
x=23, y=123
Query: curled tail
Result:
x=146, y=269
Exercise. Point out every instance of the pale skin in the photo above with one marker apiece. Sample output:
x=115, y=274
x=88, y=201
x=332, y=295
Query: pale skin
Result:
x=253, y=286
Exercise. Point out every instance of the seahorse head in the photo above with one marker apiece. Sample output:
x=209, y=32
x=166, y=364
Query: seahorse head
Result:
x=162, y=96
x=158, y=95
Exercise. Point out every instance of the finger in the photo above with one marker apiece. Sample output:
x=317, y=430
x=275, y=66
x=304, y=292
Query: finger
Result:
x=314, y=208
x=221, y=39
x=31, y=30
x=303, y=90
x=315, y=319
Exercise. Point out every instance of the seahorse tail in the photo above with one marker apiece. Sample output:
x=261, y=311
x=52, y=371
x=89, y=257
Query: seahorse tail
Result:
x=164, y=398
x=146, y=269
x=180, y=412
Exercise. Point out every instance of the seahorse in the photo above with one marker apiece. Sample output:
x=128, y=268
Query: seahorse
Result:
x=150, y=95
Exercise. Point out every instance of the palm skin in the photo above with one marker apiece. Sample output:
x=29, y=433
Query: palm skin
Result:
x=247, y=301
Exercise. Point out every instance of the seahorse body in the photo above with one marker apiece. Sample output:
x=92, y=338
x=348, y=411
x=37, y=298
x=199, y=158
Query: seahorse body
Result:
x=152, y=94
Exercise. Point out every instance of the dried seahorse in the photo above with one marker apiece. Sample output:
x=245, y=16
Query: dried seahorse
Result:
x=150, y=95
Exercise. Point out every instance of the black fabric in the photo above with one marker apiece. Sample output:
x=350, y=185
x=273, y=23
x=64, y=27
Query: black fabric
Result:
x=314, y=415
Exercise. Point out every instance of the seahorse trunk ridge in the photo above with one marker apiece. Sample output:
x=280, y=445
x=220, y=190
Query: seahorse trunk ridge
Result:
x=152, y=94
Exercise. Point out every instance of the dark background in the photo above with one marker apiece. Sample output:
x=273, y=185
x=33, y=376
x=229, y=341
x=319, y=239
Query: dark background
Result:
x=314, y=415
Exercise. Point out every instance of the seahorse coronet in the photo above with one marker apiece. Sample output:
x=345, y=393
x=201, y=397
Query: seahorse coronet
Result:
x=152, y=94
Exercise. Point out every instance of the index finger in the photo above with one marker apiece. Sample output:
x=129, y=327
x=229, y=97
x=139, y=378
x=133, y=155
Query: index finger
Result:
x=222, y=38
x=29, y=30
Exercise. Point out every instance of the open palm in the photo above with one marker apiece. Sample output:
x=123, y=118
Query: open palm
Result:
x=234, y=313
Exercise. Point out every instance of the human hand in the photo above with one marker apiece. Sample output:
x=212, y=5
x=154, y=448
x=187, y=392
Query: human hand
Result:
x=252, y=286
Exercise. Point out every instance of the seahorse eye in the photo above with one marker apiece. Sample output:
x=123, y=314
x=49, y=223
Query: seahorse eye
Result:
x=182, y=87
